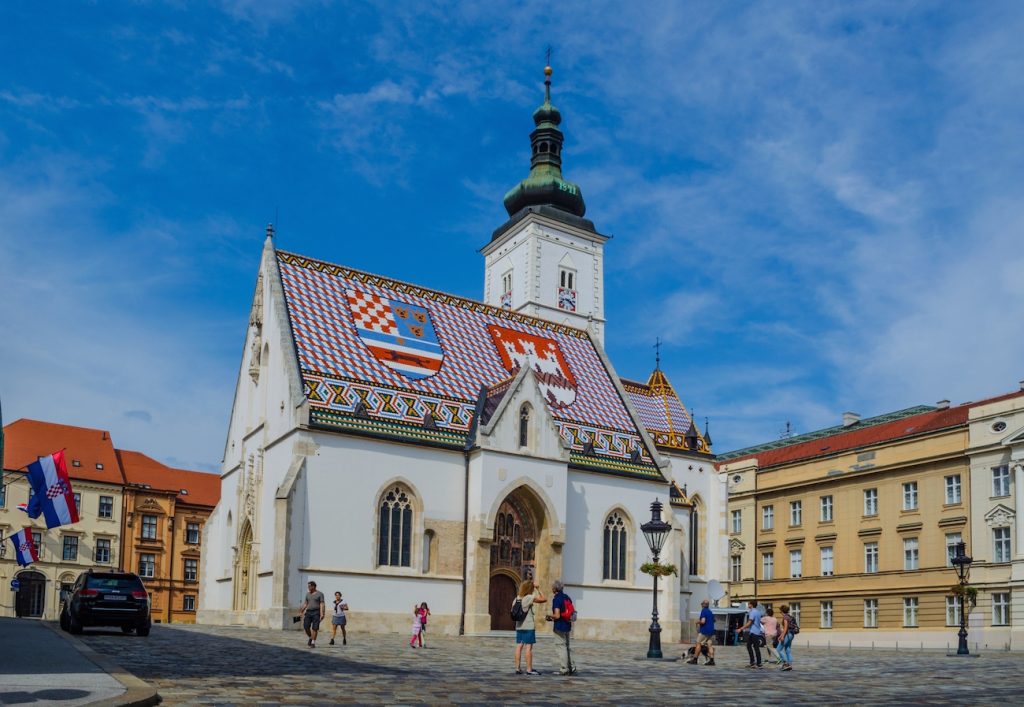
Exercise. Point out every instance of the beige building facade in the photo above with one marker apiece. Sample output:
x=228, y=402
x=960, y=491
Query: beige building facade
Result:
x=855, y=526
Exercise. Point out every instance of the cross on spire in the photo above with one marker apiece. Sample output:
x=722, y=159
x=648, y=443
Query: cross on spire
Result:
x=657, y=353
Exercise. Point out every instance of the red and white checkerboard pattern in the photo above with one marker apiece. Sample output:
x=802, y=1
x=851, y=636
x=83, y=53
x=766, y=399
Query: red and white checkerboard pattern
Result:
x=319, y=301
x=370, y=312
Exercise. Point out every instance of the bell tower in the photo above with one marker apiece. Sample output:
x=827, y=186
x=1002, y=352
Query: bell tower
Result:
x=547, y=260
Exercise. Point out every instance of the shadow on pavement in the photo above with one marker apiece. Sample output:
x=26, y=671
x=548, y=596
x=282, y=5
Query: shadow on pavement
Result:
x=22, y=697
x=163, y=654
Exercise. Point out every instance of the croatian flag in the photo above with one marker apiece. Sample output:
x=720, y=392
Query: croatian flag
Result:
x=24, y=548
x=52, y=495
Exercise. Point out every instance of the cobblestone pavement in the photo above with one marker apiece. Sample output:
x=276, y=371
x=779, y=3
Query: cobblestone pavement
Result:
x=215, y=665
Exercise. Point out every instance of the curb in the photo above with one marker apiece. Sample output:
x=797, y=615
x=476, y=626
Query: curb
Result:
x=137, y=692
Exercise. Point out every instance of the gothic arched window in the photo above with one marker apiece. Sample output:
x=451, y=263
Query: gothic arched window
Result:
x=394, y=540
x=615, y=547
x=524, y=426
x=694, y=541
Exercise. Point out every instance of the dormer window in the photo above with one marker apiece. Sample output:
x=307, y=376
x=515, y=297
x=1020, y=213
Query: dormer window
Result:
x=567, y=289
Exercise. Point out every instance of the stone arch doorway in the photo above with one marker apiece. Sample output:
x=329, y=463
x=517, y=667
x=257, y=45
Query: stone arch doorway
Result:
x=243, y=579
x=513, y=554
x=31, y=598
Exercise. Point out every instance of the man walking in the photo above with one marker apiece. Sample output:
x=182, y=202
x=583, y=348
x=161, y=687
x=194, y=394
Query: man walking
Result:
x=755, y=634
x=705, y=635
x=562, y=616
x=312, y=613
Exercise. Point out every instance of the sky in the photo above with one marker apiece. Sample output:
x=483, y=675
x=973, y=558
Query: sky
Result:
x=817, y=206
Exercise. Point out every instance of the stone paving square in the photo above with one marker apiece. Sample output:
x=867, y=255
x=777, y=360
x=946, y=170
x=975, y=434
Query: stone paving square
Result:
x=219, y=665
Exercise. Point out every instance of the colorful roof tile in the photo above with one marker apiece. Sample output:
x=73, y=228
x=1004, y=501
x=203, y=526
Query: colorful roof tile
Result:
x=663, y=413
x=377, y=356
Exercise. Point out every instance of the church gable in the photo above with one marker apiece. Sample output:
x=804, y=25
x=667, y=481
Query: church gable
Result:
x=521, y=422
x=384, y=357
x=664, y=416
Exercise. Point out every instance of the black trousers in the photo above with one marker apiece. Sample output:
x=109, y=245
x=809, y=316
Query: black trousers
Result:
x=754, y=644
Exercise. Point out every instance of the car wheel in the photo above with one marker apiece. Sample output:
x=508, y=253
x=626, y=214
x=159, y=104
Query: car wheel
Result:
x=63, y=621
x=143, y=629
x=74, y=625
x=127, y=629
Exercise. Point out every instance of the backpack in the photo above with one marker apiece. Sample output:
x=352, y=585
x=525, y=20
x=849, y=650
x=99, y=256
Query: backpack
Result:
x=794, y=628
x=569, y=612
x=518, y=613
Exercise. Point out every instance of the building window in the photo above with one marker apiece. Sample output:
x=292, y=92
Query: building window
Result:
x=911, y=556
x=952, y=611
x=953, y=489
x=37, y=540
x=826, y=614
x=826, y=562
x=1001, y=480
x=78, y=504
x=694, y=541
x=768, y=566
x=910, y=612
x=191, y=570
x=188, y=602
x=735, y=568
x=737, y=521
x=1001, y=538
x=871, y=502
x=910, y=496
x=796, y=512
x=394, y=542
x=952, y=540
x=106, y=506
x=567, y=289
x=796, y=563
x=826, y=509
x=149, y=527
x=192, y=533
x=615, y=547
x=3, y=495
x=506, y=290
x=1001, y=609
x=767, y=518
x=871, y=557
x=870, y=613
x=102, y=554
x=71, y=548
x=524, y=426
x=147, y=566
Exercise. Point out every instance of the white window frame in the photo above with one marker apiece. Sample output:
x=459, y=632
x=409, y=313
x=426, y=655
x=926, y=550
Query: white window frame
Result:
x=871, y=613
x=96, y=551
x=1001, y=548
x=1001, y=481
x=871, y=557
x=911, y=554
x=150, y=565
x=951, y=544
x=145, y=527
x=871, y=502
x=796, y=563
x=952, y=611
x=911, y=609
x=826, y=509
x=1000, y=608
x=194, y=573
x=828, y=566
x=910, y=496
x=953, y=490
x=735, y=568
x=826, y=614
x=796, y=513
x=109, y=507
x=767, y=517
x=768, y=566
x=185, y=602
x=737, y=521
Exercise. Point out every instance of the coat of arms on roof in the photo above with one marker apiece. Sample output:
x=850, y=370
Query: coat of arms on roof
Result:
x=543, y=355
x=398, y=334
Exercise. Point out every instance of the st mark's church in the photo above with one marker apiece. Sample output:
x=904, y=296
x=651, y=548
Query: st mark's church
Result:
x=403, y=445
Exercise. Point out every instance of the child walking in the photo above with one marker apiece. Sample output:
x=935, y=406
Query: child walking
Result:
x=418, y=615
x=424, y=613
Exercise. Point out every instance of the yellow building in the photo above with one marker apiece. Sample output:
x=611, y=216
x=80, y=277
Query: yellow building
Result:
x=164, y=513
x=66, y=551
x=854, y=527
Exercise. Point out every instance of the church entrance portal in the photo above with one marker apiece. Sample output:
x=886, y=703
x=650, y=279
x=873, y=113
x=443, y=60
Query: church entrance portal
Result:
x=513, y=557
x=31, y=598
x=243, y=581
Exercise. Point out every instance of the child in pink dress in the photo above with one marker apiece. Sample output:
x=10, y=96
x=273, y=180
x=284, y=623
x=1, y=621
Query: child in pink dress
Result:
x=418, y=616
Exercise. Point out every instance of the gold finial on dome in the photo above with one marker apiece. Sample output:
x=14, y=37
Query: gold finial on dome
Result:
x=548, y=71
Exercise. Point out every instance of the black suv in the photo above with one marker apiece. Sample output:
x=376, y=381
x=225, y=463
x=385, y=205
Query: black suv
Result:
x=101, y=598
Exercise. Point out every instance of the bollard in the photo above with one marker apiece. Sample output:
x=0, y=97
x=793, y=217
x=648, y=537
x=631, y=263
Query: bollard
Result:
x=897, y=646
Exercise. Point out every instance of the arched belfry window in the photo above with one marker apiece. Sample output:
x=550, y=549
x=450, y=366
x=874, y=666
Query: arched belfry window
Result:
x=694, y=540
x=394, y=540
x=524, y=426
x=615, y=539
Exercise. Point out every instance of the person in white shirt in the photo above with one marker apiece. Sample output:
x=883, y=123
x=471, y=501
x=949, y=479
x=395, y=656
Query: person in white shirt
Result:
x=526, y=630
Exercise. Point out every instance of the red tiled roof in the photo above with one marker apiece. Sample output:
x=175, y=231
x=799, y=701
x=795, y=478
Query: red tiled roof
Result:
x=27, y=440
x=202, y=489
x=931, y=421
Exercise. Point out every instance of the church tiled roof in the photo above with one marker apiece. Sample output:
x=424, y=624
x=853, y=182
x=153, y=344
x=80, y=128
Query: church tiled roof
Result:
x=664, y=415
x=388, y=358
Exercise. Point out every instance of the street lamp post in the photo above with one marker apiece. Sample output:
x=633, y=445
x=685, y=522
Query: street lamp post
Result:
x=963, y=568
x=655, y=531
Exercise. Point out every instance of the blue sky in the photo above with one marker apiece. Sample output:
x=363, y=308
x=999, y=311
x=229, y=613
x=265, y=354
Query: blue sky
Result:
x=817, y=206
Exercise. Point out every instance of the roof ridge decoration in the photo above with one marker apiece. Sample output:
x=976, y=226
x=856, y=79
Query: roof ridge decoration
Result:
x=826, y=432
x=664, y=415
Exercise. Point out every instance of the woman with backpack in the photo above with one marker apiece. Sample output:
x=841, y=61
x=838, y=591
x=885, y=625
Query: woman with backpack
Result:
x=526, y=624
x=789, y=629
